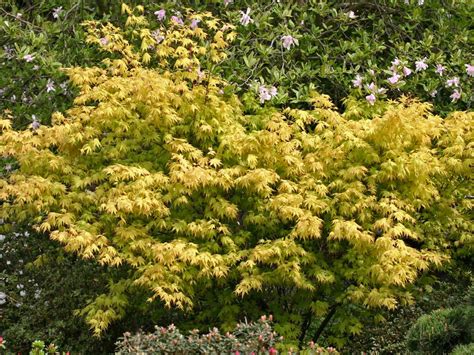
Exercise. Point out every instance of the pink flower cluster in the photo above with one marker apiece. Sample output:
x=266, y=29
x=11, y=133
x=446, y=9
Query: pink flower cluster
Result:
x=399, y=70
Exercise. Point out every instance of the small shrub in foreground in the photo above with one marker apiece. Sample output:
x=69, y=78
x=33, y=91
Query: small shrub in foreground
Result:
x=246, y=338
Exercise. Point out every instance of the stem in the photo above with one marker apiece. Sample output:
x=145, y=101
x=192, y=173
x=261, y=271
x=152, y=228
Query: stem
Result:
x=325, y=322
x=304, y=328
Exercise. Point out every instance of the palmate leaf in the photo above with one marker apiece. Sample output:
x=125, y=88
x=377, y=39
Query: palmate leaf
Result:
x=156, y=171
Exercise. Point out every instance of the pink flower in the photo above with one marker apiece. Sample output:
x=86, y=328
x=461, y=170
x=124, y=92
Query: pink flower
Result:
x=421, y=65
x=406, y=71
x=357, y=82
x=439, y=69
x=177, y=20
x=194, y=23
x=266, y=94
x=28, y=58
x=395, y=63
x=456, y=95
x=35, y=124
x=371, y=87
x=245, y=19
x=104, y=41
x=272, y=351
x=394, y=79
x=289, y=41
x=160, y=14
x=227, y=2
x=469, y=69
x=370, y=99
x=157, y=36
x=452, y=82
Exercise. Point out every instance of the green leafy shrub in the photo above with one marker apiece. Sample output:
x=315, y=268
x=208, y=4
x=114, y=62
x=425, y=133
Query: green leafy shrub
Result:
x=441, y=330
x=436, y=332
x=463, y=349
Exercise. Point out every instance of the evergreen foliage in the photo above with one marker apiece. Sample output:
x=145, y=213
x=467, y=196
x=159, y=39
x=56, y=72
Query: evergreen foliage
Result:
x=442, y=330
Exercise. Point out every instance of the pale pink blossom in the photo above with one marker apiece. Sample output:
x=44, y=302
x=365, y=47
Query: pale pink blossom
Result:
x=440, y=69
x=35, y=124
x=289, y=41
x=160, y=14
x=245, y=19
x=371, y=87
x=28, y=58
x=104, y=41
x=370, y=99
x=456, y=95
x=194, y=23
x=406, y=71
x=357, y=82
x=452, y=82
x=469, y=69
x=227, y=2
x=177, y=20
x=266, y=93
x=421, y=65
x=394, y=79
x=157, y=36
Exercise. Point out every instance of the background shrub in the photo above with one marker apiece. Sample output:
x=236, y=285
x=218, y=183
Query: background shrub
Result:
x=441, y=330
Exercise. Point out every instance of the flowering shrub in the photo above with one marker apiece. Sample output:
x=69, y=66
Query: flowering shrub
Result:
x=246, y=338
x=402, y=47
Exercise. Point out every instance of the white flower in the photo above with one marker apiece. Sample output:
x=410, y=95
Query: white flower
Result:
x=57, y=12
x=50, y=86
x=351, y=15
x=245, y=19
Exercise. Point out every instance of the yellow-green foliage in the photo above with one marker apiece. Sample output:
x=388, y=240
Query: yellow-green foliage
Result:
x=157, y=169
